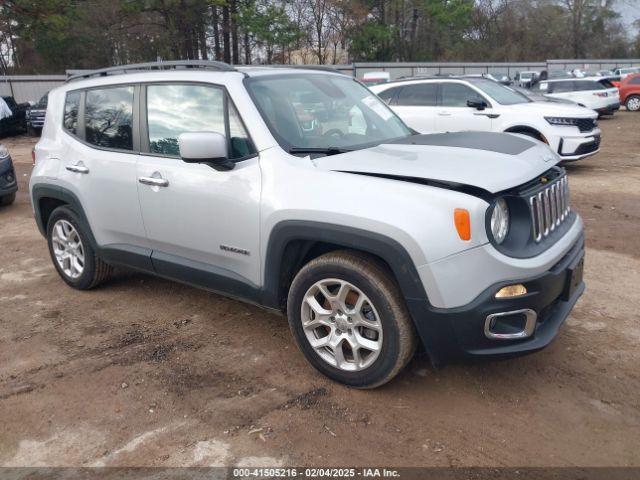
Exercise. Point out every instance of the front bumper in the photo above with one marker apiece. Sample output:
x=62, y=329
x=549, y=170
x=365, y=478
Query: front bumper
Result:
x=8, y=180
x=576, y=148
x=457, y=334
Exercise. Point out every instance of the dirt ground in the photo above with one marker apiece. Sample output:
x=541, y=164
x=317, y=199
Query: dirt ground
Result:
x=145, y=372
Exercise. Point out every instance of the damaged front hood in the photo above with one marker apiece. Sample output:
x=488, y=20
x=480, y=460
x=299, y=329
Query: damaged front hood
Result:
x=485, y=160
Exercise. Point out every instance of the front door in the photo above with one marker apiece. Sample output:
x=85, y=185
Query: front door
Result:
x=416, y=105
x=454, y=115
x=202, y=223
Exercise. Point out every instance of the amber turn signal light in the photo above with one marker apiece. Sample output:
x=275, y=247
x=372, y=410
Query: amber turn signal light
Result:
x=512, y=291
x=462, y=222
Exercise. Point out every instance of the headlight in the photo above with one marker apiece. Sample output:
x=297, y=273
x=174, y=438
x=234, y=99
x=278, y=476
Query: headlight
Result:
x=570, y=122
x=500, y=220
x=3, y=151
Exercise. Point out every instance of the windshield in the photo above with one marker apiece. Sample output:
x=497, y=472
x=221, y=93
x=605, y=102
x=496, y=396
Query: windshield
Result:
x=500, y=93
x=322, y=111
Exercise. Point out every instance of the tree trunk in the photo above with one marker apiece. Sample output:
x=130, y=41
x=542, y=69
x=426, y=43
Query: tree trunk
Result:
x=215, y=19
x=247, y=47
x=202, y=40
x=226, y=34
x=233, y=9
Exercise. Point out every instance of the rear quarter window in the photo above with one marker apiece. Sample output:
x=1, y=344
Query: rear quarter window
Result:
x=71, y=108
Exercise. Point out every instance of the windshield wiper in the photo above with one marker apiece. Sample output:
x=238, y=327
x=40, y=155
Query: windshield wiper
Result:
x=325, y=151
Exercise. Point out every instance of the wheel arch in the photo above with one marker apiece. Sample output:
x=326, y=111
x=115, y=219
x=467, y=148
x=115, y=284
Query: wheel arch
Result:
x=527, y=130
x=294, y=242
x=46, y=198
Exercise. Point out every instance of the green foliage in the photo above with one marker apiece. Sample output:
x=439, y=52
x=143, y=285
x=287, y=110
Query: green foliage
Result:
x=47, y=36
x=269, y=25
x=368, y=41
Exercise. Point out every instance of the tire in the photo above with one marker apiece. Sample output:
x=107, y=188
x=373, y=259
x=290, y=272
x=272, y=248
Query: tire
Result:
x=632, y=103
x=8, y=199
x=371, y=285
x=94, y=271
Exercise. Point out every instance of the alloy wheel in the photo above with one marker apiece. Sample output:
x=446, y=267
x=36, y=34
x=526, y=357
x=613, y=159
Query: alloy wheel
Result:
x=633, y=104
x=68, y=249
x=341, y=324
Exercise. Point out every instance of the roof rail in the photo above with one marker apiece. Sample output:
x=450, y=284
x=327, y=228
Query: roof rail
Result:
x=175, y=64
x=322, y=68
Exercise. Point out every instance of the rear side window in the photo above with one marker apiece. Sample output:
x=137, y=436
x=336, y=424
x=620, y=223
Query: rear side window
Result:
x=71, y=108
x=457, y=95
x=176, y=109
x=561, y=87
x=420, y=95
x=109, y=117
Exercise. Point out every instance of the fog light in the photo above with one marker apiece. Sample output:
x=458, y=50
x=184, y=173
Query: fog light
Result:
x=511, y=291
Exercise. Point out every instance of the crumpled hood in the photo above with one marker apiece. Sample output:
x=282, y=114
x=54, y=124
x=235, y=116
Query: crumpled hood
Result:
x=486, y=160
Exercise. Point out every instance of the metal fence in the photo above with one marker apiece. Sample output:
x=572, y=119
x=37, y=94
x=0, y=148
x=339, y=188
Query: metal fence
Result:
x=26, y=88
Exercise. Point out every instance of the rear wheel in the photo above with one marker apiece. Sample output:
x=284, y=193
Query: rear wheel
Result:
x=350, y=320
x=633, y=103
x=73, y=256
x=8, y=199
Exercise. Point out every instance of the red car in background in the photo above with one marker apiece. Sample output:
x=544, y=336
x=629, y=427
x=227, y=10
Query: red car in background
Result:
x=630, y=92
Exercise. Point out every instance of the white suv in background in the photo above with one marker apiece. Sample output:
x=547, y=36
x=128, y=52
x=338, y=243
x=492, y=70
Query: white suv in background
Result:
x=598, y=94
x=254, y=182
x=466, y=104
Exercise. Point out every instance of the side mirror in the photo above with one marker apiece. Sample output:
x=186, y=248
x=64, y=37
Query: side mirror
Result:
x=205, y=147
x=477, y=104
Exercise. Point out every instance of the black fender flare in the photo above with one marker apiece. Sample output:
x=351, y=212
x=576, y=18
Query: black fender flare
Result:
x=386, y=248
x=40, y=191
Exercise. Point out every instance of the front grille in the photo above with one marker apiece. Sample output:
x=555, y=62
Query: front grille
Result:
x=549, y=208
x=586, y=124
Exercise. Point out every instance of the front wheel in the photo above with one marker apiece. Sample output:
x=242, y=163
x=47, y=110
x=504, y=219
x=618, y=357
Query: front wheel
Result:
x=349, y=319
x=633, y=103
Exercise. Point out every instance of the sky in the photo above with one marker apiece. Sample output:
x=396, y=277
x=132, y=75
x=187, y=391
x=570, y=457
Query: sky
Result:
x=629, y=10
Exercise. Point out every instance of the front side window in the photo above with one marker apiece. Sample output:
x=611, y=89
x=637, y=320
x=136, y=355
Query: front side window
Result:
x=71, y=108
x=635, y=80
x=420, y=95
x=498, y=92
x=109, y=117
x=320, y=111
x=457, y=95
x=176, y=109
x=388, y=94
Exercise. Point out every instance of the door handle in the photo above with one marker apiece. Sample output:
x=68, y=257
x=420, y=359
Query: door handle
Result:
x=77, y=168
x=154, y=182
x=444, y=114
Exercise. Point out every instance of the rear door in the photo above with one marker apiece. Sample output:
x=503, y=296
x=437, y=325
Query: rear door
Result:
x=454, y=115
x=417, y=105
x=199, y=221
x=99, y=165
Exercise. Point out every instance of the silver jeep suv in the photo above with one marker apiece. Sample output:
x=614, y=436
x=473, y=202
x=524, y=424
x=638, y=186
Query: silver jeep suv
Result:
x=301, y=191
